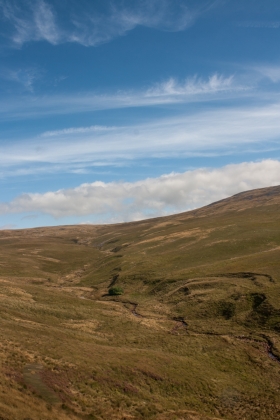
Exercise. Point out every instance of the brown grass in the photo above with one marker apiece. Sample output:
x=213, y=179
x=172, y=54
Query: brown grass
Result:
x=189, y=338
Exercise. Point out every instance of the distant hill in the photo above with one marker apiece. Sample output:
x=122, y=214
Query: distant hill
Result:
x=247, y=199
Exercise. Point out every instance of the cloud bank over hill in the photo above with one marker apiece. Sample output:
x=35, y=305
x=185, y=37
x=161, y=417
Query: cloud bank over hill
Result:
x=167, y=194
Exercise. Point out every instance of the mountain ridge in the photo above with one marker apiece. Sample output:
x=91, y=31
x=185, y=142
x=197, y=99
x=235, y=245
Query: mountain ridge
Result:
x=258, y=196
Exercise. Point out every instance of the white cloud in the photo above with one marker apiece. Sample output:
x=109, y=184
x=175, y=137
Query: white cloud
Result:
x=193, y=86
x=271, y=72
x=167, y=194
x=193, y=89
x=23, y=76
x=160, y=14
x=202, y=133
x=38, y=21
x=78, y=130
x=34, y=22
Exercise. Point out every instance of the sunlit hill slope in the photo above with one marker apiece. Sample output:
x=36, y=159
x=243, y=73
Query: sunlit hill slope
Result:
x=195, y=334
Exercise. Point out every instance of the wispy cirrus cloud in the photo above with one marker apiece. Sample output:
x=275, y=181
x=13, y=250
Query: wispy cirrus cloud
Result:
x=193, y=86
x=159, y=14
x=40, y=20
x=193, y=89
x=78, y=130
x=32, y=21
x=125, y=201
x=25, y=77
x=271, y=72
x=202, y=133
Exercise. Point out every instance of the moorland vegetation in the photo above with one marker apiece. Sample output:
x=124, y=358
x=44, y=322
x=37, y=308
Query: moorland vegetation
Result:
x=192, y=330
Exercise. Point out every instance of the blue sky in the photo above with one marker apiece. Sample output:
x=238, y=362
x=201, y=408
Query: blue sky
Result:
x=120, y=110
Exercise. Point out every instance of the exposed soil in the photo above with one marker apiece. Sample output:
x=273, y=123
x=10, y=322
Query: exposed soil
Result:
x=245, y=275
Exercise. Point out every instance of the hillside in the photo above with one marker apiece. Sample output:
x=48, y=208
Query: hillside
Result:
x=195, y=335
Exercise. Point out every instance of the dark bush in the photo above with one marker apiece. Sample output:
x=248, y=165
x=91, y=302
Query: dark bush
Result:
x=114, y=291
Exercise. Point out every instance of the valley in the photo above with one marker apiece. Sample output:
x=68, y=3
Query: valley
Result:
x=194, y=335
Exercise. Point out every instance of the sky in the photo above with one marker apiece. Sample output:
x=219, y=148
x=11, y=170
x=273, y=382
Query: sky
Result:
x=121, y=110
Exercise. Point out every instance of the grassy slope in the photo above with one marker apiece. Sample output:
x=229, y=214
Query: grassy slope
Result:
x=188, y=339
